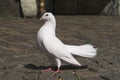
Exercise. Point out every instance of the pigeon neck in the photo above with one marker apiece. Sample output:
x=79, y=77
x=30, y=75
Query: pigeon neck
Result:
x=51, y=26
x=52, y=21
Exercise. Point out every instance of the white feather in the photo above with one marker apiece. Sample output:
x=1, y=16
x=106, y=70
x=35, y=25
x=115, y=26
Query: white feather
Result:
x=83, y=50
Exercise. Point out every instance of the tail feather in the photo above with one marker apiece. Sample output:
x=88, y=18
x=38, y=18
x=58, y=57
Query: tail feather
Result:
x=70, y=59
x=83, y=50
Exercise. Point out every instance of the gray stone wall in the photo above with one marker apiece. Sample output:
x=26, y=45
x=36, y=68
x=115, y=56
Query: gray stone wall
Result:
x=112, y=8
x=13, y=8
x=9, y=8
x=19, y=8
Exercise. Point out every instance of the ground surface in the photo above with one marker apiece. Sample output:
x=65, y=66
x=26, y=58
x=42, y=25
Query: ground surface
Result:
x=21, y=59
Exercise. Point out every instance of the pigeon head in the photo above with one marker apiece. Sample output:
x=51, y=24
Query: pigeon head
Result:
x=47, y=16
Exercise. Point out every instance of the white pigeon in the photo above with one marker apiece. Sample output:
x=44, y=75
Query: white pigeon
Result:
x=56, y=49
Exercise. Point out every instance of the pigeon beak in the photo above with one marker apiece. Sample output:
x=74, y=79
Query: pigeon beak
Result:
x=41, y=18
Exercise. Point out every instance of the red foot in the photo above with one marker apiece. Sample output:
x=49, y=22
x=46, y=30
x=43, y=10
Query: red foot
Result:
x=50, y=69
x=47, y=70
x=57, y=71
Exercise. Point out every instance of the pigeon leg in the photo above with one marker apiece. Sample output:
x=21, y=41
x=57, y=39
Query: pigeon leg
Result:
x=58, y=65
x=57, y=71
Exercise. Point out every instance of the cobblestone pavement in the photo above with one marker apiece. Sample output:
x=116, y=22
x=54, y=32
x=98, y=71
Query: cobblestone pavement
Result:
x=21, y=59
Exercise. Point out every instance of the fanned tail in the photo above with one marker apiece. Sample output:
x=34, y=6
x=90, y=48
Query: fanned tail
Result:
x=83, y=50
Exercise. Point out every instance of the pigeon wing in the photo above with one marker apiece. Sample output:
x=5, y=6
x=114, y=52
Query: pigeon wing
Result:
x=59, y=50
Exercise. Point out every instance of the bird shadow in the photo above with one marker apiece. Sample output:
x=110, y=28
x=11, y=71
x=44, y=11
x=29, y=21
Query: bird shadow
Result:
x=63, y=67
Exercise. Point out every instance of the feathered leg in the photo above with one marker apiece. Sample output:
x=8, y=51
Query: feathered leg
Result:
x=58, y=65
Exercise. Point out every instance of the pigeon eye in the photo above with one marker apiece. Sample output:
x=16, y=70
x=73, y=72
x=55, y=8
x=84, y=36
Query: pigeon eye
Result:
x=46, y=15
